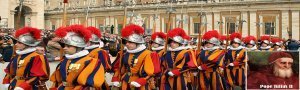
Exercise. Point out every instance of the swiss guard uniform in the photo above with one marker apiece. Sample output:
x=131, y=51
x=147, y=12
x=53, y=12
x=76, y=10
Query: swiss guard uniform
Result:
x=99, y=54
x=211, y=63
x=136, y=65
x=265, y=40
x=159, y=39
x=250, y=44
x=235, y=60
x=177, y=61
x=28, y=70
x=277, y=44
x=77, y=71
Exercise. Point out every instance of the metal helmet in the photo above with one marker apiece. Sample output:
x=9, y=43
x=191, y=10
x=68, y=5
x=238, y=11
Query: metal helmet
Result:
x=96, y=34
x=212, y=36
x=74, y=35
x=74, y=39
x=265, y=39
x=277, y=41
x=158, y=37
x=133, y=33
x=250, y=40
x=178, y=35
x=236, y=37
x=28, y=36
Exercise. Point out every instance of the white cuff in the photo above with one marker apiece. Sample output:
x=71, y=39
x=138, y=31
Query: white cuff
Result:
x=170, y=74
x=116, y=84
x=231, y=64
x=200, y=68
x=18, y=88
x=135, y=84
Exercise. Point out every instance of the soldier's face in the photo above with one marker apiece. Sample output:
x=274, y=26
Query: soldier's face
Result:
x=131, y=45
x=209, y=45
x=235, y=45
x=249, y=45
x=20, y=46
x=174, y=44
x=264, y=45
x=155, y=45
x=70, y=49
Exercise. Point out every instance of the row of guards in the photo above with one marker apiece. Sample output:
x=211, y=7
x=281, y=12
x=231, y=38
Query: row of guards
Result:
x=168, y=65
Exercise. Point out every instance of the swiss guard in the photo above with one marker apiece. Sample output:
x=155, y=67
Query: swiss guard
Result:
x=77, y=70
x=96, y=52
x=28, y=70
x=250, y=44
x=211, y=63
x=235, y=60
x=136, y=66
x=277, y=44
x=177, y=61
x=265, y=43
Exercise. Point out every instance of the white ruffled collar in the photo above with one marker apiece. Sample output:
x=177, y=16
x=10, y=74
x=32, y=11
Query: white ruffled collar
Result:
x=77, y=55
x=238, y=48
x=101, y=44
x=267, y=47
x=158, y=48
x=279, y=49
x=251, y=49
x=191, y=47
x=176, y=49
x=210, y=49
x=138, y=49
x=25, y=51
x=92, y=47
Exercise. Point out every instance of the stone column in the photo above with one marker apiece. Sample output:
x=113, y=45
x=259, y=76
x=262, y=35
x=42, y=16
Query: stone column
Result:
x=209, y=20
x=295, y=24
x=253, y=23
x=244, y=16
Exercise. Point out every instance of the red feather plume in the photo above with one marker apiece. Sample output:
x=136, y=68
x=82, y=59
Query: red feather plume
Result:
x=79, y=29
x=265, y=38
x=158, y=34
x=131, y=29
x=249, y=38
x=95, y=31
x=235, y=35
x=210, y=34
x=36, y=33
x=274, y=40
x=223, y=37
x=176, y=32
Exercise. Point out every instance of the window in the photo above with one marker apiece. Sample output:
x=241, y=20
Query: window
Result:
x=231, y=27
x=120, y=27
x=196, y=28
x=270, y=28
x=53, y=27
x=101, y=27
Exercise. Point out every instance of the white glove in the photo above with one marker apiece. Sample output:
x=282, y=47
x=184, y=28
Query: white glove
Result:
x=170, y=74
x=231, y=64
x=200, y=68
x=116, y=84
x=18, y=88
x=6, y=86
x=195, y=73
x=108, y=77
x=135, y=84
x=222, y=69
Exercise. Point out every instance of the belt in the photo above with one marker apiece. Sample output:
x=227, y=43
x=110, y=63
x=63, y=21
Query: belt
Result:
x=19, y=78
x=66, y=84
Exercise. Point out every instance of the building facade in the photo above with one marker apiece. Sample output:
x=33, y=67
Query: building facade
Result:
x=32, y=13
x=278, y=18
